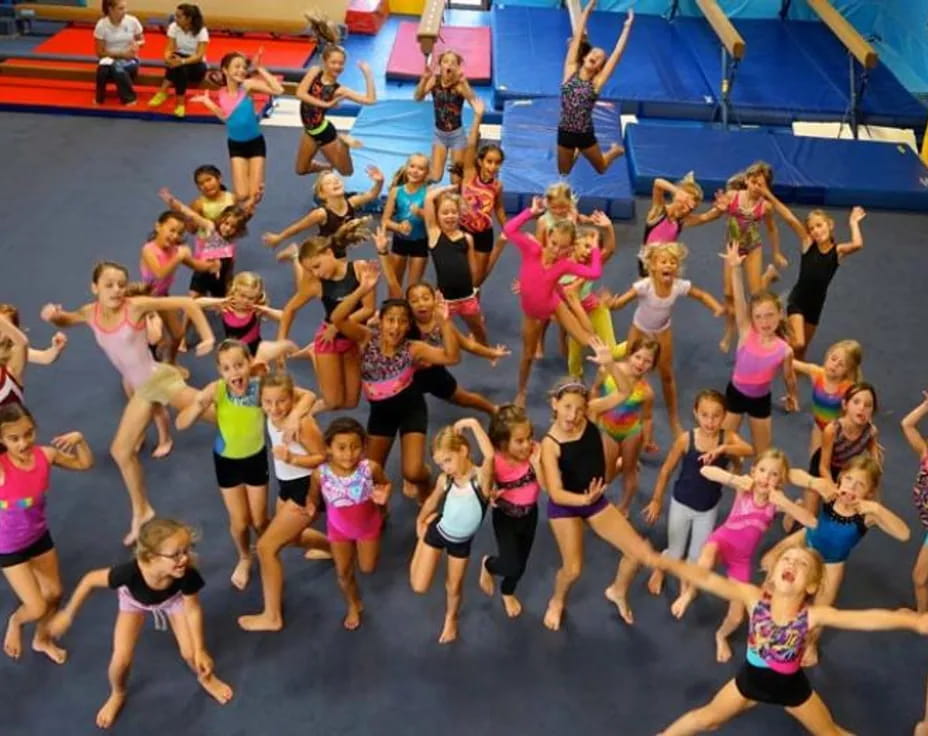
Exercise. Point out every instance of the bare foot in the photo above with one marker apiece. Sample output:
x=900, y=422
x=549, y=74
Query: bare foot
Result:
x=554, y=614
x=136, y=524
x=656, y=582
x=107, y=714
x=220, y=691
x=317, y=554
x=13, y=641
x=679, y=606
x=182, y=347
x=51, y=650
x=351, y=141
x=621, y=603
x=289, y=253
x=263, y=621
x=486, y=579
x=519, y=400
x=921, y=729
x=450, y=631
x=615, y=150
x=725, y=343
x=242, y=573
x=410, y=490
x=352, y=618
x=722, y=649
x=771, y=275
x=512, y=605
x=810, y=656
x=163, y=449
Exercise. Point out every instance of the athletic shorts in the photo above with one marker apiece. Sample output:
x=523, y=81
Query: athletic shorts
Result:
x=436, y=380
x=418, y=248
x=162, y=385
x=294, y=489
x=483, y=239
x=339, y=346
x=434, y=538
x=209, y=284
x=556, y=511
x=247, y=471
x=575, y=141
x=453, y=140
x=323, y=135
x=255, y=148
x=466, y=307
x=764, y=685
x=39, y=547
x=405, y=413
x=756, y=407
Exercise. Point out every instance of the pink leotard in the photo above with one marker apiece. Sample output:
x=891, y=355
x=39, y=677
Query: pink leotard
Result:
x=22, y=502
x=540, y=293
x=351, y=514
x=516, y=481
x=740, y=534
x=213, y=246
x=126, y=345
x=757, y=364
x=159, y=286
x=653, y=312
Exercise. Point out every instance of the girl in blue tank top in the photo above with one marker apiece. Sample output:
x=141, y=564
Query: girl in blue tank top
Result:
x=402, y=215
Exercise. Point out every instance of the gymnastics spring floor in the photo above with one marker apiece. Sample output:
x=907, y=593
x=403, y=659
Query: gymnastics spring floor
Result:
x=78, y=190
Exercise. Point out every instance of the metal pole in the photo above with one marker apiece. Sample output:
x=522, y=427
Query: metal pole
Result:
x=725, y=88
x=852, y=75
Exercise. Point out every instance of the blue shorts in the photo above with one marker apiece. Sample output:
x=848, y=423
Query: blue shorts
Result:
x=453, y=140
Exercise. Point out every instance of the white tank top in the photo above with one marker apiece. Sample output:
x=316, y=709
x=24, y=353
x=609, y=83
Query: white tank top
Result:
x=286, y=471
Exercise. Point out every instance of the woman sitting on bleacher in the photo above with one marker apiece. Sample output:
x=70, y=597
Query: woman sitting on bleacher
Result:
x=185, y=56
x=118, y=36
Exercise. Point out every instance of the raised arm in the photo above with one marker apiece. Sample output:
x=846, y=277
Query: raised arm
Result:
x=142, y=305
x=426, y=81
x=704, y=579
x=742, y=313
x=910, y=427
x=486, y=450
x=822, y=486
x=573, y=49
x=707, y=300
x=312, y=219
x=54, y=314
x=70, y=451
x=264, y=82
x=719, y=475
x=370, y=91
x=616, y=55
x=798, y=512
x=787, y=214
x=175, y=204
x=877, y=513
x=309, y=288
x=473, y=139
x=376, y=177
x=857, y=238
x=62, y=620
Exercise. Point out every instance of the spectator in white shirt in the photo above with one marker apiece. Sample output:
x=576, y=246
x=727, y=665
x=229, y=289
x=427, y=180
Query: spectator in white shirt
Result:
x=185, y=56
x=118, y=37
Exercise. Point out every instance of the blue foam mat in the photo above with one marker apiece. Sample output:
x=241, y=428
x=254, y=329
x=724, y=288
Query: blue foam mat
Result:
x=528, y=140
x=810, y=170
x=657, y=77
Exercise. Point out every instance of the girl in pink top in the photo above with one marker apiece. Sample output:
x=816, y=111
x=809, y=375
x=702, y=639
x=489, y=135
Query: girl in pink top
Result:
x=538, y=284
x=758, y=497
x=27, y=554
x=761, y=353
x=118, y=323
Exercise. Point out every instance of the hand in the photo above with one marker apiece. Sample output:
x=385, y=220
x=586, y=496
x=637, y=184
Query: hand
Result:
x=777, y=497
x=281, y=452
x=464, y=424
x=59, y=341
x=479, y=107
x=743, y=482
x=203, y=99
x=602, y=352
x=651, y=447
x=515, y=287
x=422, y=524
x=205, y=397
x=309, y=509
x=867, y=507
x=132, y=49
x=381, y=241
x=779, y=260
x=731, y=256
x=722, y=200
x=381, y=493
x=291, y=428
x=184, y=252
x=205, y=347
x=50, y=312
x=630, y=18
x=594, y=491
x=500, y=351
x=538, y=205
x=442, y=312
x=59, y=624
x=271, y=240
x=364, y=67
x=374, y=173
x=256, y=59
x=651, y=512
x=792, y=403
x=921, y=626
x=707, y=458
x=720, y=311
x=369, y=276
x=215, y=266
x=767, y=561
x=67, y=442
x=203, y=663
x=405, y=227
x=328, y=335
x=166, y=195
x=600, y=219
x=857, y=214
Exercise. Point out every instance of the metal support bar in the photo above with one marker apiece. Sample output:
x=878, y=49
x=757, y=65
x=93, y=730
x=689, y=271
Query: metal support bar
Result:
x=729, y=68
x=858, y=85
x=784, y=8
x=674, y=9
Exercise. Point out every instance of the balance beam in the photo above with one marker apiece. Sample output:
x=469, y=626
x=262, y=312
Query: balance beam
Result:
x=430, y=25
x=723, y=28
x=855, y=43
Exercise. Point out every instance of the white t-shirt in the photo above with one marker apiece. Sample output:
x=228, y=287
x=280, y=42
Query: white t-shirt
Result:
x=186, y=43
x=116, y=39
x=653, y=312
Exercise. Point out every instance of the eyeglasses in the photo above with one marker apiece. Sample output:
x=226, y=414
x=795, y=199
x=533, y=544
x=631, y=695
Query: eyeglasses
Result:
x=186, y=552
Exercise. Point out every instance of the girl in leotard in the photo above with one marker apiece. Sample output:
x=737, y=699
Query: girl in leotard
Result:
x=758, y=497
x=449, y=89
x=235, y=107
x=760, y=354
x=452, y=514
x=919, y=497
x=214, y=197
x=15, y=353
x=243, y=310
x=162, y=580
x=334, y=211
x=538, y=277
x=119, y=326
x=851, y=434
x=424, y=301
x=849, y=510
x=326, y=273
x=403, y=216
x=355, y=491
x=779, y=626
x=294, y=460
x=821, y=256
x=656, y=295
x=586, y=71
x=576, y=472
x=516, y=473
x=27, y=554
x=388, y=362
x=454, y=258
x=694, y=503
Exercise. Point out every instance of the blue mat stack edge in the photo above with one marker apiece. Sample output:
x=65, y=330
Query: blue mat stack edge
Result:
x=528, y=140
x=817, y=171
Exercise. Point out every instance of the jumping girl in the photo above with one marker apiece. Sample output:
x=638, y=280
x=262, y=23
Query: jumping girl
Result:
x=403, y=216
x=163, y=581
x=15, y=353
x=761, y=353
x=355, y=491
x=758, y=497
x=449, y=89
x=452, y=514
x=516, y=471
x=656, y=295
x=848, y=512
x=294, y=461
x=247, y=148
x=538, y=276
x=243, y=310
x=919, y=496
x=388, y=360
x=27, y=553
x=119, y=326
x=851, y=434
x=694, y=503
x=586, y=71
x=779, y=626
x=326, y=273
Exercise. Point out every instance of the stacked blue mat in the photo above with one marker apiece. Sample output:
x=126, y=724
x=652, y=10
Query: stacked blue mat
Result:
x=528, y=140
x=817, y=171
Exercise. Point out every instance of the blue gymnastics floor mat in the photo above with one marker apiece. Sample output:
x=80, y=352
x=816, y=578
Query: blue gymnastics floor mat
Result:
x=808, y=170
x=657, y=77
x=528, y=140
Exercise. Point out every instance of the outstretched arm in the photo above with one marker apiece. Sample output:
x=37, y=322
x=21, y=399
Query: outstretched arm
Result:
x=799, y=513
x=600, y=81
x=874, y=619
x=910, y=427
x=878, y=514
x=857, y=238
x=573, y=49
x=62, y=620
x=707, y=580
x=707, y=300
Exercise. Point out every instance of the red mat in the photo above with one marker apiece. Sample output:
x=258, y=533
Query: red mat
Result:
x=366, y=16
x=291, y=54
x=473, y=44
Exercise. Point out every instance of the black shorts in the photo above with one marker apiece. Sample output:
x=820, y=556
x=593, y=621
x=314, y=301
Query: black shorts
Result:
x=39, y=547
x=575, y=141
x=764, y=685
x=294, y=489
x=756, y=407
x=247, y=471
x=411, y=248
x=324, y=136
x=811, y=313
x=405, y=413
x=483, y=240
x=209, y=284
x=433, y=538
x=814, y=463
x=438, y=381
x=255, y=148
